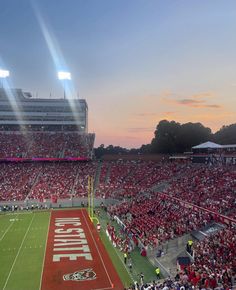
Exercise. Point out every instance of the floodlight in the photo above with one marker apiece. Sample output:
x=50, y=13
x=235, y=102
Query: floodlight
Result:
x=4, y=73
x=64, y=75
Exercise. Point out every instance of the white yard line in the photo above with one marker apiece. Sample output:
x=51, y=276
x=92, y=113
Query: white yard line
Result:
x=98, y=252
x=45, y=248
x=23, y=212
x=4, y=287
x=8, y=228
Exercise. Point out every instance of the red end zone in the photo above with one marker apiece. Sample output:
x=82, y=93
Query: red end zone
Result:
x=75, y=256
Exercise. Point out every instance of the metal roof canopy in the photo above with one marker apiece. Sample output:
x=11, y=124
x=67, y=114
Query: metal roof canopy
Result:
x=207, y=145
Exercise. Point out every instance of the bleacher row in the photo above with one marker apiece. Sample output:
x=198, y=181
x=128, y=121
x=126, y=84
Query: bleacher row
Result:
x=45, y=144
x=158, y=217
x=38, y=181
x=212, y=188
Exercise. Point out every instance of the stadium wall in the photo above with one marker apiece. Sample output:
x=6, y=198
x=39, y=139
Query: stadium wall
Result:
x=61, y=203
x=145, y=157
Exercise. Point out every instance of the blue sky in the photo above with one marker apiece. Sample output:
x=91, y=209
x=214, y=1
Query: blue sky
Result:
x=135, y=62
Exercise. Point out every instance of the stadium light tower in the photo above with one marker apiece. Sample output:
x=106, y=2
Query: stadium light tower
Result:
x=63, y=76
x=4, y=74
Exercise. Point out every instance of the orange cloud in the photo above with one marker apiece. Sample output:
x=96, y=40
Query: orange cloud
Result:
x=193, y=101
x=189, y=102
x=197, y=103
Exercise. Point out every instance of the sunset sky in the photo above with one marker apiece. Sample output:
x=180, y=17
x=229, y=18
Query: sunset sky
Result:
x=136, y=62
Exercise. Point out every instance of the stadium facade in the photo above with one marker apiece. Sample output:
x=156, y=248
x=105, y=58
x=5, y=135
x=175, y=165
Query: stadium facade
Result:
x=19, y=110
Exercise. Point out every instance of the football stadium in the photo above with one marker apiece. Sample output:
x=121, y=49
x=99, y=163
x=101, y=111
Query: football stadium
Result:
x=99, y=188
x=70, y=221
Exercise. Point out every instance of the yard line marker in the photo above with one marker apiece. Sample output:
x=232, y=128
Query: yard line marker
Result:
x=4, y=287
x=49, y=220
x=6, y=231
x=98, y=251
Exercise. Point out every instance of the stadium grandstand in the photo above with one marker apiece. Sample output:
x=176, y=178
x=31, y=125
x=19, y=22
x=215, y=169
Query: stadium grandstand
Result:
x=43, y=128
x=165, y=210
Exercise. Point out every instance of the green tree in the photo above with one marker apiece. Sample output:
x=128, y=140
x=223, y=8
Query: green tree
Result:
x=166, y=137
x=172, y=137
x=226, y=135
x=192, y=134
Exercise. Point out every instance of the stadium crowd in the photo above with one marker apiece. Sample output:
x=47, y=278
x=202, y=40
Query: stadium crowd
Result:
x=45, y=144
x=152, y=217
x=155, y=219
x=16, y=180
x=125, y=179
x=211, y=187
x=38, y=180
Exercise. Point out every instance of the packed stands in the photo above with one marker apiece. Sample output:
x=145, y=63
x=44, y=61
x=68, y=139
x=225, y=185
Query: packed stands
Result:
x=212, y=188
x=149, y=216
x=56, y=178
x=214, y=266
x=214, y=258
x=16, y=180
x=45, y=144
x=124, y=178
x=156, y=219
x=81, y=183
x=38, y=181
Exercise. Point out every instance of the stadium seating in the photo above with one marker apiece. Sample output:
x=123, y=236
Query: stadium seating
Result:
x=45, y=144
x=215, y=257
x=212, y=188
x=151, y=216
x=155, y=220
x=16, y=180
x=128, y=178
x=38, y=181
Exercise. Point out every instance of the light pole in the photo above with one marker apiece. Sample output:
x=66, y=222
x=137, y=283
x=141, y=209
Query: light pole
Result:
x=64, y=75
x=4, y=74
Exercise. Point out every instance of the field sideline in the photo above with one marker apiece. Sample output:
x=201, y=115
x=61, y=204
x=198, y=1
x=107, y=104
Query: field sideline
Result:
x=26, y=240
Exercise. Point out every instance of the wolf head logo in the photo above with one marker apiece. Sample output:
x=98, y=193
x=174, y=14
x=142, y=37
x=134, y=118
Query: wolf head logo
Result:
x=82, y=275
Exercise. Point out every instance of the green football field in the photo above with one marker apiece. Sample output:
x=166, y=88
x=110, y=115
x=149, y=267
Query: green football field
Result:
x=22, y=245
x=23, y=239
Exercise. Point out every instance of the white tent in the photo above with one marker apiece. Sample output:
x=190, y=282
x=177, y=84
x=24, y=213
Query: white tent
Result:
x=207, y=145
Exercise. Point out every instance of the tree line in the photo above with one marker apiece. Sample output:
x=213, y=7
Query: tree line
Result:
x=172, y=137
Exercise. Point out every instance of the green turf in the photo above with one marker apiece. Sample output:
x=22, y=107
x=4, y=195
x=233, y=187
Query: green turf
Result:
x=142, y=264
x=22, y=245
